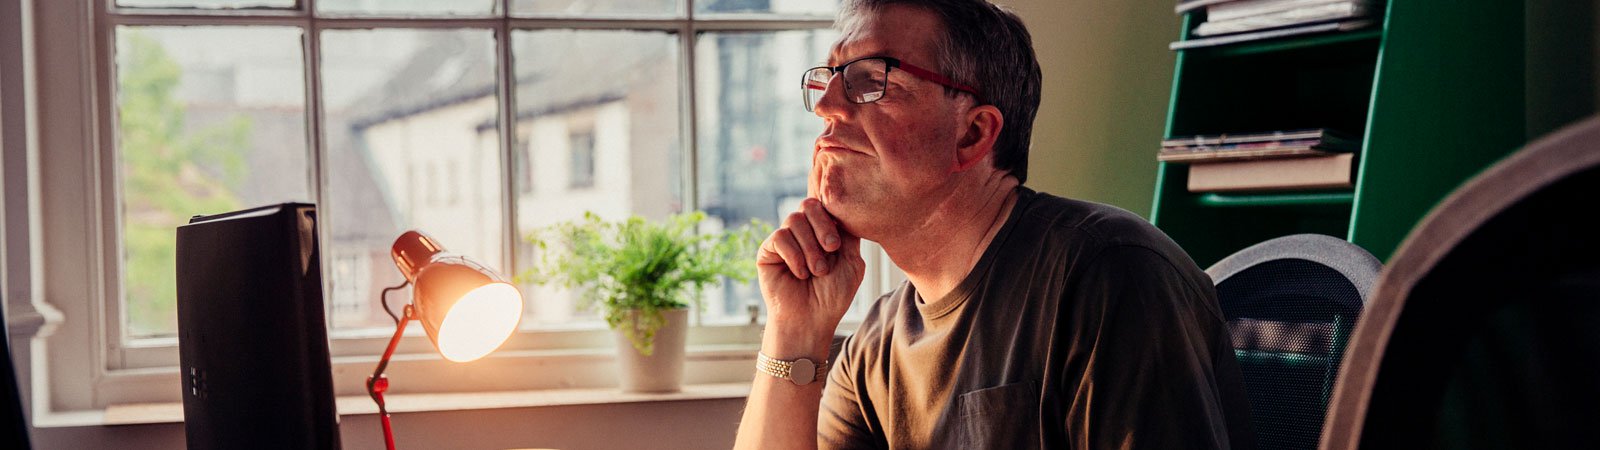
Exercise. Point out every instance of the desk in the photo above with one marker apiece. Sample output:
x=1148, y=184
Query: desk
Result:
x=147, y=413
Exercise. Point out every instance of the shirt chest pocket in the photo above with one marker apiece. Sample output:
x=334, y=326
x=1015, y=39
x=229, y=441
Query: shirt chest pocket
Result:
x=1001, y=417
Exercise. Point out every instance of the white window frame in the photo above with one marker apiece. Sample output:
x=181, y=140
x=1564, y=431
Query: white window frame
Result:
x=80, y=364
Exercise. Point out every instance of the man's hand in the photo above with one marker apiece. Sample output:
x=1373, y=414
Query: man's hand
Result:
x=809, y=271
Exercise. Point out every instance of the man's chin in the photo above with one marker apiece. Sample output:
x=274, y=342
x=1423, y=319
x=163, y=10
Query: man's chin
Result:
x=850, y=216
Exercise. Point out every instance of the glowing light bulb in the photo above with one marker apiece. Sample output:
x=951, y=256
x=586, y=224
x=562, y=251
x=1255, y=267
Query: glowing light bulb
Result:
x=480, y=322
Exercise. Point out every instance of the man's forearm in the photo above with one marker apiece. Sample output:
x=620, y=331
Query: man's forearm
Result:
x=780, y=414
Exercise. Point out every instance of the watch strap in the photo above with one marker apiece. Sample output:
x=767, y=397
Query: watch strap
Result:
x=801, y=371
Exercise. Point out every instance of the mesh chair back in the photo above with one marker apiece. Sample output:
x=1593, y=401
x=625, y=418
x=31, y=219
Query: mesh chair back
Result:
x=1291, y=304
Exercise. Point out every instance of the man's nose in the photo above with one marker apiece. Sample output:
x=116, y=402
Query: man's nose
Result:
x=833, y=104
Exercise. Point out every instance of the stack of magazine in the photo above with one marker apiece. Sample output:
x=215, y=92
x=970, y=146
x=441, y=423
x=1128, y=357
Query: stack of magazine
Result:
x=1230, y=21
x=1281, y=160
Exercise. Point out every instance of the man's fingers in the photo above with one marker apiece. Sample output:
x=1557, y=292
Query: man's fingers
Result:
x=800, y=228
x=768, y=255
x=821, y=224
x=783, y=245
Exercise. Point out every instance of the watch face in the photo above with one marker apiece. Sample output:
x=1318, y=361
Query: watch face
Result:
x=803, y=371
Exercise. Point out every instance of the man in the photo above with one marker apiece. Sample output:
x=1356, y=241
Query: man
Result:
x=1028, y=320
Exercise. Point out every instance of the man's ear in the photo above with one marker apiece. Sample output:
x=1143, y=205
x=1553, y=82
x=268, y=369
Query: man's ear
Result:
x=977, y=141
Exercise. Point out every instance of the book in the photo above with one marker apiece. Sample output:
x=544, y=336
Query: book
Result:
x=1191, y=5
x=1226, y=11
x=1185, y=155
x=1325, y=27
x=1290, y=17
x=1333, y=139
x=1319, y=172
x=1280, y=144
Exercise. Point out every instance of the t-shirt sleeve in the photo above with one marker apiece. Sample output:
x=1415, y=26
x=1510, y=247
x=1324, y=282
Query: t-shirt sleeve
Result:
x=841, y=421
x=1144, y=335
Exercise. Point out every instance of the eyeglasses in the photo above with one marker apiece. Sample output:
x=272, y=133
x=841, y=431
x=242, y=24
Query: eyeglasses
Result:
x=865, y=80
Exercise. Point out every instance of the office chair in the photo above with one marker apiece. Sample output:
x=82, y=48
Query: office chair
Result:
x=1290, y=303
x=1484, y=329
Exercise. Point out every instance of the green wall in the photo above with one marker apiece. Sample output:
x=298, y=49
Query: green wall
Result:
x=1107, y=73
x=1561, y=63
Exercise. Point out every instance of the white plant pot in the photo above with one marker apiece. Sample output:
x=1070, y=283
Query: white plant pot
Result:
x=662, y=371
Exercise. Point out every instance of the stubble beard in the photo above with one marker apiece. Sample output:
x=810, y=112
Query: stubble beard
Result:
x=831, y=187
x=851, y=200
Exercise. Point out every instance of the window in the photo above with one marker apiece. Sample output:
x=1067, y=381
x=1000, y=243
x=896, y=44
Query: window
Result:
x=467, y=119
x=580, y=146
x=201, y=131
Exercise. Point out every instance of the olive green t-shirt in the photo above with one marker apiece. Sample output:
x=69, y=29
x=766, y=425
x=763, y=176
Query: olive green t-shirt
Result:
x=1081, y=326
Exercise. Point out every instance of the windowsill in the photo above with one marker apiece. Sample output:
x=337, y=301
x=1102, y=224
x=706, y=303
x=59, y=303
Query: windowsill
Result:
x=155, y=413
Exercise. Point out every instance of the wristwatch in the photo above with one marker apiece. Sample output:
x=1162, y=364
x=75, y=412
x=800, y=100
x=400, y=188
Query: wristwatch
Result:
x=800, y=371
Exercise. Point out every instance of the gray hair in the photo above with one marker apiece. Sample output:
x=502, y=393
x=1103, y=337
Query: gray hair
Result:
x=987, y=47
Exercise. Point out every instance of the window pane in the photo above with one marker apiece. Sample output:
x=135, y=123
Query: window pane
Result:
x=209, y=120
x=755, y=137
x=825, y=8
x=412, y=143
x=207, y=4
x=409, y=7
x=596, y=7
x=597, y=130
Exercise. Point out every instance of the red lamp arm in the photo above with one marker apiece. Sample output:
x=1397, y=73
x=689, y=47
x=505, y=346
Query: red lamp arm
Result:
x=378, y=383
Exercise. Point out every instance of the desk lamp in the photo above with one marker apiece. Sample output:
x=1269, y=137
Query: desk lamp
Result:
x=467, y=309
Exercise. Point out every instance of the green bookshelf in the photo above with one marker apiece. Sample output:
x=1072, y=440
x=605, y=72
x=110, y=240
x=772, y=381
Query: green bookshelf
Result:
x=1435, y=92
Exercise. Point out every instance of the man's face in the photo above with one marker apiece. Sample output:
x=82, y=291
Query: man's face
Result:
x=880, y=166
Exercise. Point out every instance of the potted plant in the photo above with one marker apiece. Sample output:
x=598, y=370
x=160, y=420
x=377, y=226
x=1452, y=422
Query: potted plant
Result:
x=643, y=275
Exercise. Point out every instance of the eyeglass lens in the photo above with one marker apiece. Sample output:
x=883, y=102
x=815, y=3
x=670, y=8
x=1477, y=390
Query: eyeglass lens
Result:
x=864, y=82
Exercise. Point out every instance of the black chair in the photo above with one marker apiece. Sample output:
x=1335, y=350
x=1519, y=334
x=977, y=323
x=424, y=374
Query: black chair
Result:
x=1484, y=330
x=1291, y=303
x=13, y=423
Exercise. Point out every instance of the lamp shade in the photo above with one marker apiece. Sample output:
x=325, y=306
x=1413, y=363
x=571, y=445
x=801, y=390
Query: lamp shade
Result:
x=467, y=308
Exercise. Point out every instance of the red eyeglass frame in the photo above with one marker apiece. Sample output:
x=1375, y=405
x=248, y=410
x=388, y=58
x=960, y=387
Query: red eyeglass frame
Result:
x=890, y=63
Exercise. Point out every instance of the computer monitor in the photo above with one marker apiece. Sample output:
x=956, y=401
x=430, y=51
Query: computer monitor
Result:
x=252, y=332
